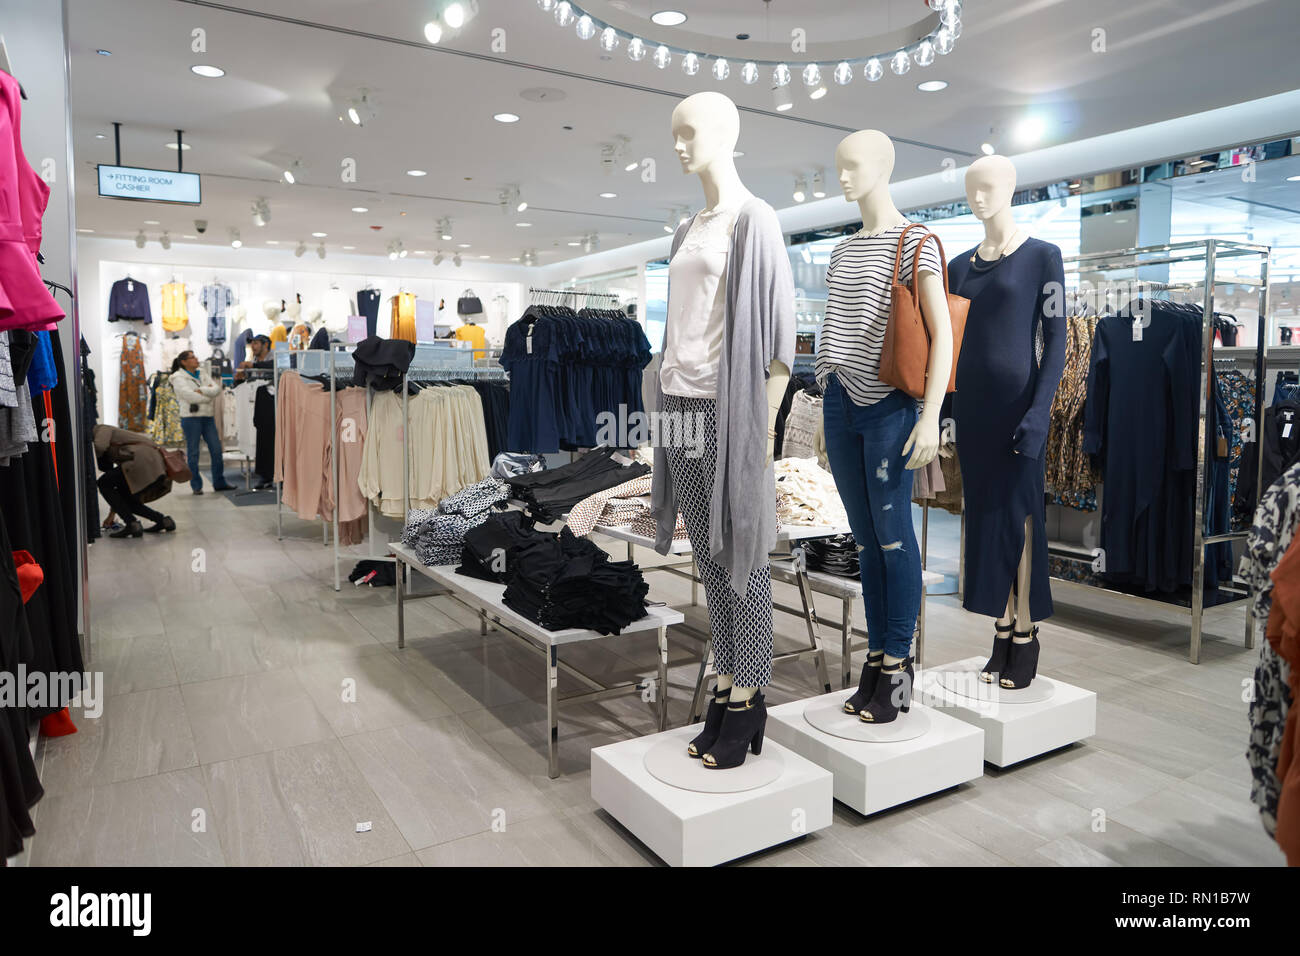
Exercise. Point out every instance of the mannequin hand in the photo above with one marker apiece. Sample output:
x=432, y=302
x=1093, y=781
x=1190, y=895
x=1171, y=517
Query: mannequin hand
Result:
x=819, y=443
x=923, y=443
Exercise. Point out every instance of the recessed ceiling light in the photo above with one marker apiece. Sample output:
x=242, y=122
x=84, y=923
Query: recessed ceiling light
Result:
x=987, y=149
x=189, y=237
x=932, y=86
x=420, y=252
x=575, y=243
x=360, y=209
x=668, y=18
x=433, y=32
x=104, y=52
x=485, y=257
x=505, y=117
x=172, y=145
x=523, y=225
x=152, y=222
x=1293, y=179
x=609, y=195
x=463, y=245
x=211, y=72
x=85, y=230
x=319, y=235
x=100, y=136
x=349, y=248
x=1030, y=130
x=416, y=172
x=273, y=242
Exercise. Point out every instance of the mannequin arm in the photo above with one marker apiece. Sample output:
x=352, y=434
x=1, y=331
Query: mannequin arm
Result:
x=778, y=376
x=923, y=443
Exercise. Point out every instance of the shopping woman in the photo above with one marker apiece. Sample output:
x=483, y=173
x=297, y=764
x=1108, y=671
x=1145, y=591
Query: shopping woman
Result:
x=196, y=392
x=133, y=474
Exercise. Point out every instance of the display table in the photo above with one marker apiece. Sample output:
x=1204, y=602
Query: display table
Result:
x=485, y=599
x=1017, y=725
x=923, y=752
x=690, y=827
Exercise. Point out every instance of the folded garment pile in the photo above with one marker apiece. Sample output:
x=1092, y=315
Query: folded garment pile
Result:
x=806, y=495
x=613, y=507
x=549, y=495
x=837, y=554
x=645, y=525
x=558, y=580
x=511, y=463
x=438, y=536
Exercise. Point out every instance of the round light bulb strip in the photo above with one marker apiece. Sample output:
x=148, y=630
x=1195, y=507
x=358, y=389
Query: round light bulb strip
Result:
x=939, y=42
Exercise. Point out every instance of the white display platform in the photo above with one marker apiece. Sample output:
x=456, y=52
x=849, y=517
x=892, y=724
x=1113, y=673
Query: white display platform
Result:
x=688, y=828
x=873, y=776
x=826, y=713
x=1013, y=731
x=669, y=762
x=967, y=683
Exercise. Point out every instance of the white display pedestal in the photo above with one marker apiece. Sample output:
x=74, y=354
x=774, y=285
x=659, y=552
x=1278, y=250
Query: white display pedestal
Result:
x=1013, y=731
x=874, y=775
x=689, y=828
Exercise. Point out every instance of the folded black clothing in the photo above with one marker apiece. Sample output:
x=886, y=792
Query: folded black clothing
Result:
x=487, y=551
x=385, y=573
x=837, y=554
x=549, y=495
x=595, y=460
x=381, y=363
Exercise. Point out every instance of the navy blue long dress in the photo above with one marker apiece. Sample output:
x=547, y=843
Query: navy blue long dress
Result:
x=1001, y=409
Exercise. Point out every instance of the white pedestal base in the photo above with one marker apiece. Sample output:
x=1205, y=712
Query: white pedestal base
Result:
x=1013, y=731
x=871, y=776
x=688, y=828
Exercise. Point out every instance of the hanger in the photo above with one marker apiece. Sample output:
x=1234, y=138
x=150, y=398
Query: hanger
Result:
x=4, y=65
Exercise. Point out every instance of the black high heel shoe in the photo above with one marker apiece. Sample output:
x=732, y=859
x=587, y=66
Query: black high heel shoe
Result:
x=742, y=727
x=1022, y=668
x=893, y=694
x=866, y=683
x=997, y=662
x=132, y=529
x=712, y=724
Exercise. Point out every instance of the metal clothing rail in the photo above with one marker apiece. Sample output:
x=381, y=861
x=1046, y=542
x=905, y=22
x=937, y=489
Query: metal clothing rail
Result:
x=1209, y=252
x=536, y=293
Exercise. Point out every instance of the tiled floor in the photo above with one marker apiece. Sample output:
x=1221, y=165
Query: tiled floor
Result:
x=257, y=717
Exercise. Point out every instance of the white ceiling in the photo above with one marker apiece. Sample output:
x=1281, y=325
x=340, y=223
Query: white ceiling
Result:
x=289, y=66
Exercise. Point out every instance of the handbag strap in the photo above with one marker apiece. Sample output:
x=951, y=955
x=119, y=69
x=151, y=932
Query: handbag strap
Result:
x=898, y=258
x=943, y=263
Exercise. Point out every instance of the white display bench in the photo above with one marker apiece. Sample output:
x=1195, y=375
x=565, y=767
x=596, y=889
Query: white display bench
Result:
x=686, y=827
x=484, y=598
x=1017, y=724
x=924, y=751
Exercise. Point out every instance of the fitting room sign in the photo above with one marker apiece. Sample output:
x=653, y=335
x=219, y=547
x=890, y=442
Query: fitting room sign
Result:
x=149, y=185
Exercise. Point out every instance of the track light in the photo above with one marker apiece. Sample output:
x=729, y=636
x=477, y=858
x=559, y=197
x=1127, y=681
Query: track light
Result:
x=140, y=239
x=235, y=241
x=590, y=242
x=782, y=98
x=290, y=175
x=358, y=111
x=320, y=251
x=301, y=250
x=530, y=257
x=261, y=212
x=456, y=260
x=444, y=229
x=800, y=189
x=819, y=185
x=165, y=241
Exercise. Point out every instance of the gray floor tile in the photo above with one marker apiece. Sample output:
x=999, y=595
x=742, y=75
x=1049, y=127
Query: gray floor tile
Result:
x=236, y=716
x=368, y=693
x=133, y=663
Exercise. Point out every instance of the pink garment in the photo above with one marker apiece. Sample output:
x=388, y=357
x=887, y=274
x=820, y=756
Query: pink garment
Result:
x=350, y=439
x=25, y=302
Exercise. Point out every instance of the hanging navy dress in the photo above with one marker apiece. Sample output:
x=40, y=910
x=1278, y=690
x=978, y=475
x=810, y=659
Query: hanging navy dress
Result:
x=1001, y=409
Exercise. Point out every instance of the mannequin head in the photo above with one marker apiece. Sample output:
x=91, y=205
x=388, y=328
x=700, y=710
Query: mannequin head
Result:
x=990, y=184
x=865, y=161
x=271, y=309
x=706, y=127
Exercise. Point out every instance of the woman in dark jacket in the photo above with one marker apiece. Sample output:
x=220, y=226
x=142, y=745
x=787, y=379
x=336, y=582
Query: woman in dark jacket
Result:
x=134, y=473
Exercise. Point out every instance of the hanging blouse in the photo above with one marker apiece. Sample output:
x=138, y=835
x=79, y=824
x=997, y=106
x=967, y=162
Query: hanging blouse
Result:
x=404, y=316
x=175, y=315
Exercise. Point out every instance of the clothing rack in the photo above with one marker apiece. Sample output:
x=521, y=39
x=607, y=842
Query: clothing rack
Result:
x=1106, y=267
x=557, y=296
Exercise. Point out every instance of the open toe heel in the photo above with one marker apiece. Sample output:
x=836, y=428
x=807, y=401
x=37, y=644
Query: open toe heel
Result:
x=997, y=661
x=893, y=694
x=712, y=725
x=1022, y=667
x=742, y=730
x=866, y=684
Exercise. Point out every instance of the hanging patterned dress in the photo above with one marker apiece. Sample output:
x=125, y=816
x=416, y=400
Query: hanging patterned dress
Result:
x=133, y=387
x=165, y=427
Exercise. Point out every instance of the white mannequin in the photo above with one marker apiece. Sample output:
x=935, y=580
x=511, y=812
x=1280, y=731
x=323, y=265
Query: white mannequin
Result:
x=865, y=160
x=990, y=184
x=706, y=127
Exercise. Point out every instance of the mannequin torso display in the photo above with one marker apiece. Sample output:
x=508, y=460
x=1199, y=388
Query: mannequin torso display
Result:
x=870, y=428
x=1001, y=408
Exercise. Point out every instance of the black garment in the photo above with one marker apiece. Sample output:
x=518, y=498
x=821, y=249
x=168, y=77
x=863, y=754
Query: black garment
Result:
x=486, y=553
x=368, y=304
x=112, y=485
x=20, y=787
x=381, y=363
x=1227, y=330
x=264, y=422
x=1281, y=433
x=321, y=340
x=385, y=573
x=89, y=419
x=548, y=495
x=496, y=415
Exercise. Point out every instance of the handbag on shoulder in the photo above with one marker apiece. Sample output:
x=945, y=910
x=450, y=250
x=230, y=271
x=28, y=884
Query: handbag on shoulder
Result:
x=175, y=465
x=469, y=303
x=905, y=354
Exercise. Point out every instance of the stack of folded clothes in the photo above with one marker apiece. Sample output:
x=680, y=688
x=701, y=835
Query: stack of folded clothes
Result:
x=510, y=463
x=438, y=536
x=645, y=525
x=559, y=581
x=837, y=554
x=806, y=495
x=548, y=495
x=614, y=507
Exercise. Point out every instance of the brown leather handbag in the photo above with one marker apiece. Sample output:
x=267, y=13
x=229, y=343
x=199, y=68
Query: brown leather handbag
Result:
x=905, y=354
x=174, y=463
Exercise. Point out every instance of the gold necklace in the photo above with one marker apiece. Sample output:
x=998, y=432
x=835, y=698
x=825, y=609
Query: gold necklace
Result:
x=1002, y=253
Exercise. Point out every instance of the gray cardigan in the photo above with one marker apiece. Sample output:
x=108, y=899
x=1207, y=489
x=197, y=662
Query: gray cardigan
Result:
x=760, y=329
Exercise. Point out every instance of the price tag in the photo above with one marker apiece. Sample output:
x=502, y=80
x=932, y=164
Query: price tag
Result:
x=1286, y=430
x=1137, y=330
x=530, y=342
x=130, y=286
x=363, y=827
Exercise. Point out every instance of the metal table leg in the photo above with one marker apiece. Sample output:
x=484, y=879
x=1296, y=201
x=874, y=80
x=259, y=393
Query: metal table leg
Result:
x=846, y=640
x=482, y=622
x=552, y=711
x=697, y=701
x=810, y=618
x=662, y=689
x=695, y=582
x=400, y=567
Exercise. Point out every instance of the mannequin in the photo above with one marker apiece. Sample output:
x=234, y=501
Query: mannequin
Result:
x=730, y=320
x=1004, y=398
x=872, y=433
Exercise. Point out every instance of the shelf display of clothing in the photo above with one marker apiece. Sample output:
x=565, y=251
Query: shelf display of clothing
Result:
x=1001, y=409
x=403, y=326
x=175, y=307
x=164, y=412
x=25, y=302
x=128, y=301
x=215, y=299
x=133, y=387
x=438, y=536
x=549, y=495
x=368, y=305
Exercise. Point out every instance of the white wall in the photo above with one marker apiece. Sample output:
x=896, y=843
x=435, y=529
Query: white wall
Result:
x=256, y=275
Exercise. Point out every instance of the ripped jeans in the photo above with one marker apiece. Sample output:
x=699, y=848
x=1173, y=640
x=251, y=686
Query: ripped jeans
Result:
x=865, y=446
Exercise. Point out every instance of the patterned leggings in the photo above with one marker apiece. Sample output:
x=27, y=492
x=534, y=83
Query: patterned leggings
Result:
x=741, y=626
